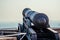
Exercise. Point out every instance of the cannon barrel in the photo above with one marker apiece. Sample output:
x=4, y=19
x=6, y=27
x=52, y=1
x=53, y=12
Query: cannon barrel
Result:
x=38, y=19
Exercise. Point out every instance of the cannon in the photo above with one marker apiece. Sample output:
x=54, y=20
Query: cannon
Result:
x=36, y=25
x=38, y=19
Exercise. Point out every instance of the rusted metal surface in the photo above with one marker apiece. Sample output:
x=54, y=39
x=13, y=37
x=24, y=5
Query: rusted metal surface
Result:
x=57, y=30
x=8, y=38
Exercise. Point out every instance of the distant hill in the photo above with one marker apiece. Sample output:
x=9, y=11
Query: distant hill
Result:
x=14, y=25
x=8, y=26
x=54, y=24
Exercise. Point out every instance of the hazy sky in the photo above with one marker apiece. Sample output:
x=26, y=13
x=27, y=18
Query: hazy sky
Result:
x=11, y=10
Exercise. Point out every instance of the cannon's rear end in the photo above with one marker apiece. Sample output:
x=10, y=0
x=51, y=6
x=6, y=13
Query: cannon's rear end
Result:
x=37, y=27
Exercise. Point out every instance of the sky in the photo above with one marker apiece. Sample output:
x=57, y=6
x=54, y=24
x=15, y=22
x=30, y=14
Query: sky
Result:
x=11, y=10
